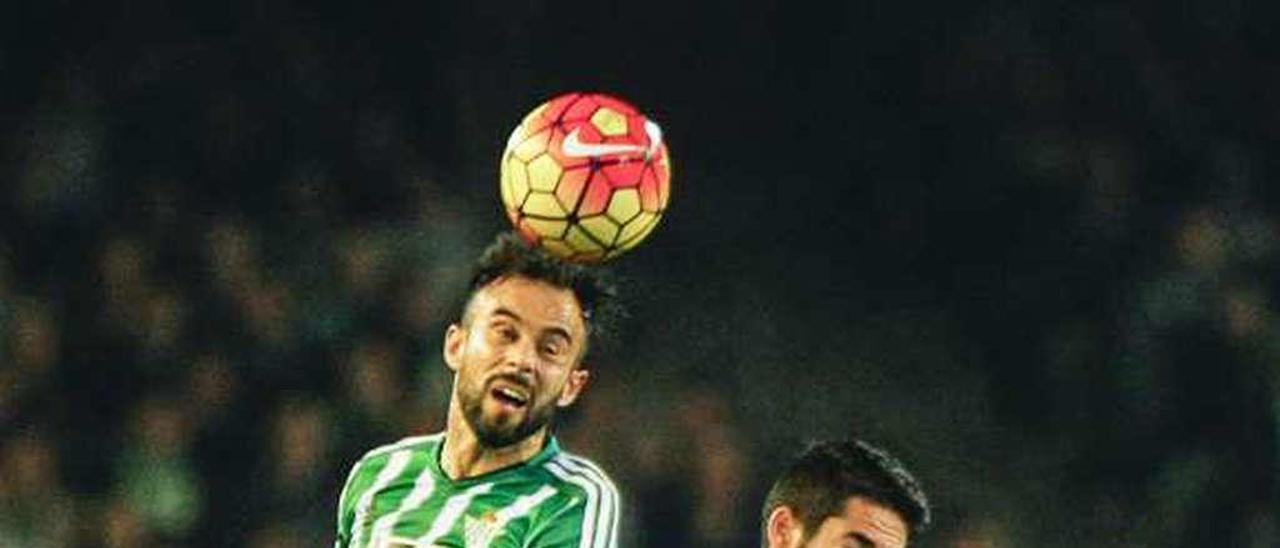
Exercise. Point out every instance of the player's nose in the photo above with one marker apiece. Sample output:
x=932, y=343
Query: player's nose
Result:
x=523, y=356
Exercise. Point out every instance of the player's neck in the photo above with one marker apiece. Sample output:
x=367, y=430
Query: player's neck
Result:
x=463, y=456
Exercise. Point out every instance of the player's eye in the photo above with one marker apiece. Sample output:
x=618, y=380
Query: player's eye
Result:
x=504, y=332
x=551, y=349
x=555, y=348
x=859, y=541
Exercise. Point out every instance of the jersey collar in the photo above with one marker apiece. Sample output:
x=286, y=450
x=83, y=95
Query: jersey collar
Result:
x=549, y=451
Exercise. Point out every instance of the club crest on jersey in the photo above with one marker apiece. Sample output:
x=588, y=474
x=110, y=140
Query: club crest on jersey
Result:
x=481, y=531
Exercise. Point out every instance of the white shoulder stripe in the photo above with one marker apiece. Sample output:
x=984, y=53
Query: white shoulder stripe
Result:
x=608, y=530
x=591, y=511
x=600, y=515
x=591, y=469
x=595, y=469
x=394, y=466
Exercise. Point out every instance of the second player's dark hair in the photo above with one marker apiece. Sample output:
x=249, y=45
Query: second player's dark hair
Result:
x=510, y=255
x=816, y=484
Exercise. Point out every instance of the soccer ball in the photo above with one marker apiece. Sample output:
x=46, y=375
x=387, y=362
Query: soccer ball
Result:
x=586, y=176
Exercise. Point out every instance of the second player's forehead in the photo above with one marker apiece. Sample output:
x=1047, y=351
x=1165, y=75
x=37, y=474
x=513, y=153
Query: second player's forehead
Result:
x=872, y=520
x=532, y=301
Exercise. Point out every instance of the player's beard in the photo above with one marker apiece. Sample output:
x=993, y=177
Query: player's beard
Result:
x=493, y=431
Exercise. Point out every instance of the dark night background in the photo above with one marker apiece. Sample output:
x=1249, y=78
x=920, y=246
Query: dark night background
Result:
x=1031, y=250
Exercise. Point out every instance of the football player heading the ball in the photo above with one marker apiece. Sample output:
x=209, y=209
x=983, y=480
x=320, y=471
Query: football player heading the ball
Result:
x=496, y=476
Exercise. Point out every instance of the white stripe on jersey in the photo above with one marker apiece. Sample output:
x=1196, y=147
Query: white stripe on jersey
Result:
x=346, y=486
x=480, y=533
x=394, y=466
x=599, y=516
x=450, y=513
x=590, y=514
x=610, y=491
x=524, y=505
x=422, y=488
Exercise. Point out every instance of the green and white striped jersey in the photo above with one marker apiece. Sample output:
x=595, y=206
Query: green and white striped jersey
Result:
x=398, y=496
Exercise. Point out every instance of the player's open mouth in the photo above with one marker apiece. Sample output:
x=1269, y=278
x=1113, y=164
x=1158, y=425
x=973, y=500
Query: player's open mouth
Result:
x=509, y=395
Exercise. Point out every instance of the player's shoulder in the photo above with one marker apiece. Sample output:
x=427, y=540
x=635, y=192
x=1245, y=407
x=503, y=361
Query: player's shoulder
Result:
x=589, y=508
x=369, y=468
x=577, y=473
x=412, y=444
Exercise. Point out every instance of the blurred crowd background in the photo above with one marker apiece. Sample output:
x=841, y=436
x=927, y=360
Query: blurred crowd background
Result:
x=1031, y=250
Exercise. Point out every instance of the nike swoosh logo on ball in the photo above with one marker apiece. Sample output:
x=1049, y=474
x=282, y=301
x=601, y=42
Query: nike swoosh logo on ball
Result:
x=574, y=147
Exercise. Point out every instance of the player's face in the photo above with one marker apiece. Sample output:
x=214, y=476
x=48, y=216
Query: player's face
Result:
x=863, y=524
x=516, y=357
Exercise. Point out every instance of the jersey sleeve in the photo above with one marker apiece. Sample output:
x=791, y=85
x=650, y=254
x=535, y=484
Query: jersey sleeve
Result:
x=347, y=505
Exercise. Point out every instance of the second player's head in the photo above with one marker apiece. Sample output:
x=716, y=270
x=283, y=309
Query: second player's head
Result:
x=519, y=345
x=844, y=493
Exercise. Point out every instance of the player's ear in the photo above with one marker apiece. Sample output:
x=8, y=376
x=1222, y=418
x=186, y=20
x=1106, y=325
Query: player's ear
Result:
x=783, y=530
x=454, y=339
x=578, y=379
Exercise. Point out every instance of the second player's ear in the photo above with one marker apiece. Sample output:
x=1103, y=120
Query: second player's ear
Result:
x=454, y=339
x=578, y=379
x=782, y=528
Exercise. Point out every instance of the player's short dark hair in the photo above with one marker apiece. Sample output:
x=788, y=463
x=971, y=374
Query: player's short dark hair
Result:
x=816, y=485
x=510, y=255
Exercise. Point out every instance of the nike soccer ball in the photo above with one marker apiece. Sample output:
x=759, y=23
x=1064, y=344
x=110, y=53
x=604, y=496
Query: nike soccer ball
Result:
x=586, y=176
